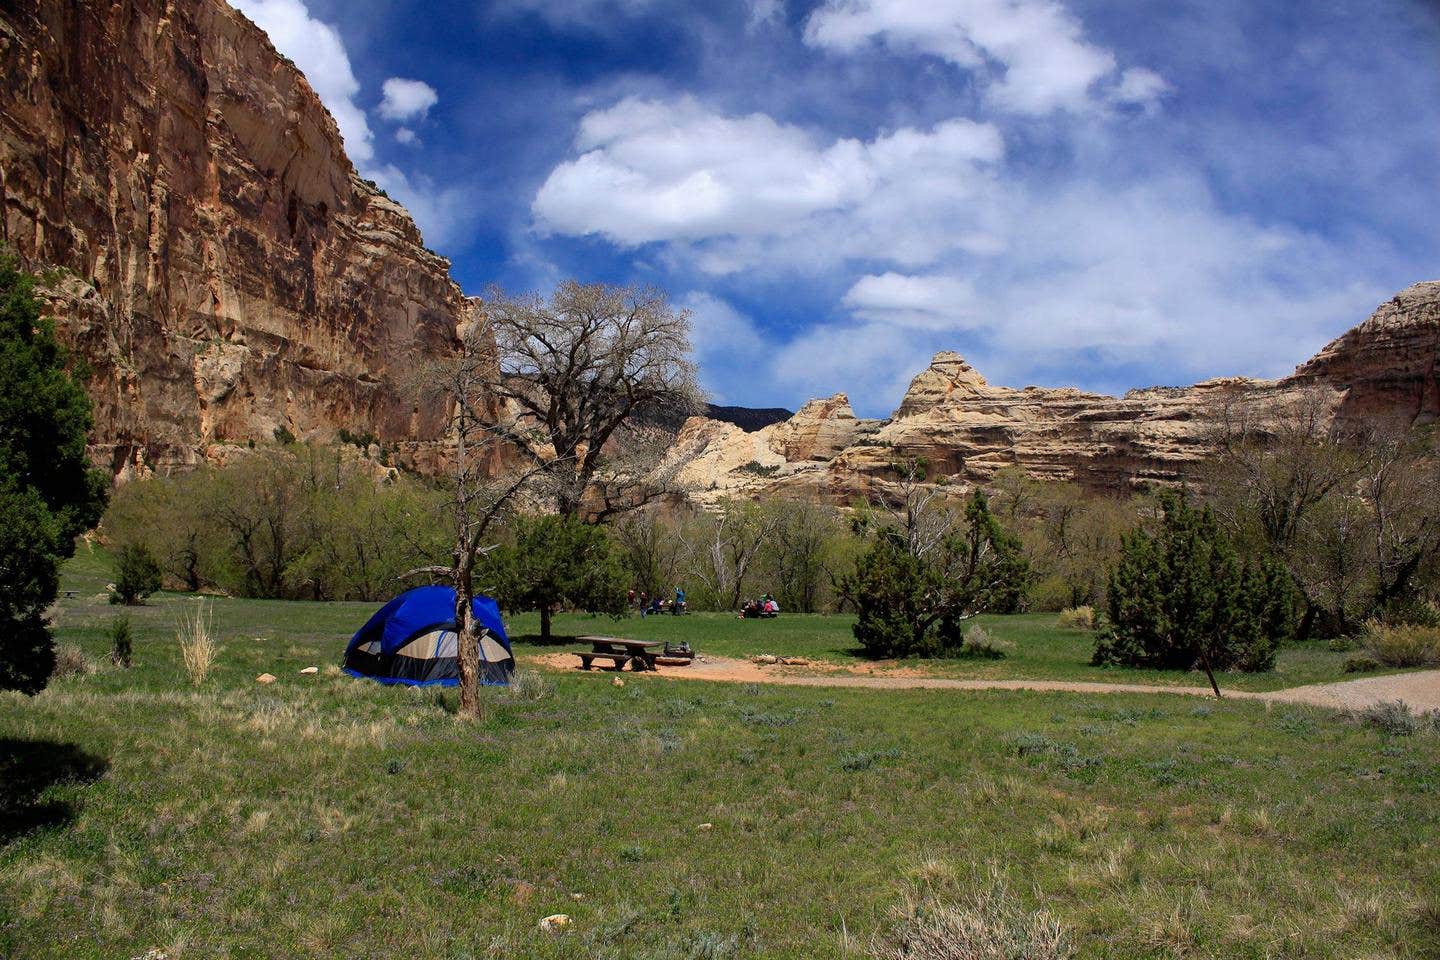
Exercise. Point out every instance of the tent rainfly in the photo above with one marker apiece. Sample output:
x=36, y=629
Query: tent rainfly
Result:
x=412, y=640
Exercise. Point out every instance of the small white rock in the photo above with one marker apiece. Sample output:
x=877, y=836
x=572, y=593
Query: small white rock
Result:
x=555, y=923
x=265, y=678
x=617, y=682
x=705, y=827
x=309, y=670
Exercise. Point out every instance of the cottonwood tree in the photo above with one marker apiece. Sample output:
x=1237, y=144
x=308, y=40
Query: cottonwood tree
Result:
x=651, y=550
x=1277, y=486
x=577, y=376
x=1400, y=487
x=478, y=499
x=1070, y=535
x=799, y=550
x=551, y=383
x=1353, y=516
x=725, y=547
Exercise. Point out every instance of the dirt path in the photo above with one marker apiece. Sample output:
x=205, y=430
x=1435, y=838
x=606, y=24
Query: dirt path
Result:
x=1421, y=690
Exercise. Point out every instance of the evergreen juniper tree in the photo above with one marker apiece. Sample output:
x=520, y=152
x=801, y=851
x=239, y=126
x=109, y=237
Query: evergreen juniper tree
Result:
x=1182, y=598
x=49, y=494
x=910, y=602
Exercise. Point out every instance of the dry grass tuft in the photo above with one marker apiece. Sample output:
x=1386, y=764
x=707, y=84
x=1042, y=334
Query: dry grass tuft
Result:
x=1077, y=618
x=70, y=662
x=981, y=644
x=934, y=872
x=198, y=649
x=989, y=924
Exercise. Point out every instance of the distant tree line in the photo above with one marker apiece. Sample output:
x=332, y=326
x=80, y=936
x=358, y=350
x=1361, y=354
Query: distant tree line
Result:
x=1351, y=527
x=287, y=521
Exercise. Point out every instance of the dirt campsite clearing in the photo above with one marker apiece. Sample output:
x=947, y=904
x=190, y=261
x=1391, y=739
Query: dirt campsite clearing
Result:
x=1420, y=691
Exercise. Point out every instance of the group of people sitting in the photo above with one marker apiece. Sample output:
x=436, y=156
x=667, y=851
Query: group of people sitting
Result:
x=657, y=604
x=763, y=606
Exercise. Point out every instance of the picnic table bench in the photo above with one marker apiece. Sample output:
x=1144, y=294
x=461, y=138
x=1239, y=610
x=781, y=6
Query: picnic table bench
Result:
x=619, y=651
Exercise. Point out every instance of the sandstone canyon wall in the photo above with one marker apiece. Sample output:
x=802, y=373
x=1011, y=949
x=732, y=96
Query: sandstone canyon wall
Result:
x=225, y=272
x=1383, y=371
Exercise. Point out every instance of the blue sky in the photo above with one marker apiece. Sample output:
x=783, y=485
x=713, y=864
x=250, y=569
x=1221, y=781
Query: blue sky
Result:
x=1068, y=192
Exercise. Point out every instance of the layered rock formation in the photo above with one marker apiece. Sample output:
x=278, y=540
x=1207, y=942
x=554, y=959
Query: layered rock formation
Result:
x=1384, y=370
x=208, y=247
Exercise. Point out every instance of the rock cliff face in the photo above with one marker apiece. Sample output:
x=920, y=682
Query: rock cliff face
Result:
x=210, y=250
x=1384, y=370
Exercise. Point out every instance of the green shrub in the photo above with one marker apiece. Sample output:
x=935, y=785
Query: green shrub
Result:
x=1077, y=618
x=1401, y=645
x=137, y=574
x=120, y=646
x=1181, y=598
x=1051, y=594
x=1361, y=663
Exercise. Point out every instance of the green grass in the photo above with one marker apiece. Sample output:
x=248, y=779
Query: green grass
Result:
x=1041, y=650
x=325, y=816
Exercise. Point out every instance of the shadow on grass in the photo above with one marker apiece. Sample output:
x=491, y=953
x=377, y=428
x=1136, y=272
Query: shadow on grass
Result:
x=535, y=640
x=30, y=767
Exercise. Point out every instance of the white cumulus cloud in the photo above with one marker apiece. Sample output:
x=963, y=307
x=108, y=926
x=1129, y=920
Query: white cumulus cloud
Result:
x=940, y=244
x=1045, y=62
x=933, y=302
x=407, y=99
x=652, y=170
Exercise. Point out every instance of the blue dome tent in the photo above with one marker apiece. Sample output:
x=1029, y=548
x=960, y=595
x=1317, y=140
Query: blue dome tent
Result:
x=412, y=640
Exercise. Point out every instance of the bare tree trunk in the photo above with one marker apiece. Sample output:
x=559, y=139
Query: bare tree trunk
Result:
x=1205, y=662
x=467, y=644
x=544, y=623
x=1307, y=622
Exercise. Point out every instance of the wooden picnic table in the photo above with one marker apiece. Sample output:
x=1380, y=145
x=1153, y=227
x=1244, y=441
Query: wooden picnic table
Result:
x=620, y=651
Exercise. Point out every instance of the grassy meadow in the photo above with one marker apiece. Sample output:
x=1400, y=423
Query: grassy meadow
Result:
x=324, y=816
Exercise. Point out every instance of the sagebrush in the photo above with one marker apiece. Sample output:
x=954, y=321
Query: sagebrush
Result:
x=1403, y=644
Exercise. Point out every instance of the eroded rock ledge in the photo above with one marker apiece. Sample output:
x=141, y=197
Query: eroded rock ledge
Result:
x=1384, y=370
